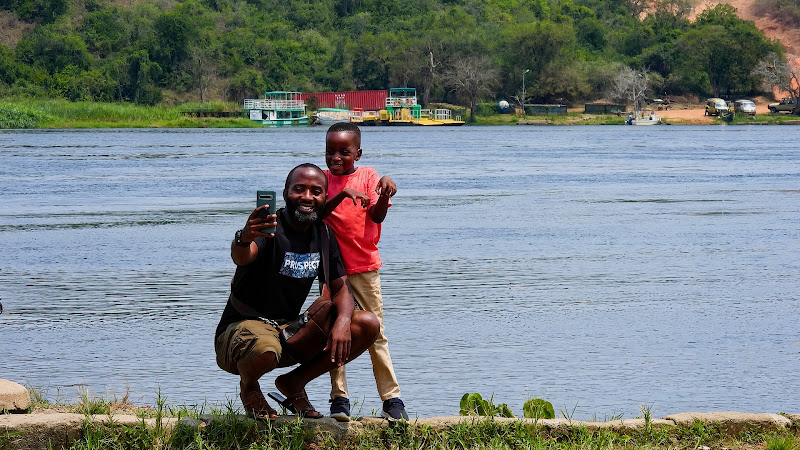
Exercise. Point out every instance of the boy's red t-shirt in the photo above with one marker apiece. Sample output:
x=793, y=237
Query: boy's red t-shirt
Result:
x=357, y=234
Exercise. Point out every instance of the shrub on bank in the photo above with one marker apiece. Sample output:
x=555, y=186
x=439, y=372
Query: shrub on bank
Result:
x=17, y=116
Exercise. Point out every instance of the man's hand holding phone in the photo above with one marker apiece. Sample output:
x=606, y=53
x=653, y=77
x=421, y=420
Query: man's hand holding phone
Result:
x=265, y=221
x=262, y=220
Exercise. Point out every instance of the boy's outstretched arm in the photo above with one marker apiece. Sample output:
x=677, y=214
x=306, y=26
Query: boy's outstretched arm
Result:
x=334, y=201
x=386, y=189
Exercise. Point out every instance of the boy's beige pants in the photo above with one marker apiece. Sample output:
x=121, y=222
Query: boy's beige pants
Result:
x=366, y=289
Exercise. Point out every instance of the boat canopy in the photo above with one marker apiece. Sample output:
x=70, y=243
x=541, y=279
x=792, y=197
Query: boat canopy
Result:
x=403, y=92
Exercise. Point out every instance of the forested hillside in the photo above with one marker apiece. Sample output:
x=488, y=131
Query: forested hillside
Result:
x=153, y=51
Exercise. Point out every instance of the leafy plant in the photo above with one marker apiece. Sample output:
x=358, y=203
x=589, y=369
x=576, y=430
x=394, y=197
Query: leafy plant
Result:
x=475, y=405
x=537, y=408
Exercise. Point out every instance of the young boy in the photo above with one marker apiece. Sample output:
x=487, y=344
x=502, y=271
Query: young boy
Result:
x=357, y=204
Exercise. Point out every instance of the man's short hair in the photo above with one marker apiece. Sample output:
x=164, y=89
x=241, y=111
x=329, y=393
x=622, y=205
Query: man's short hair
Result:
x=305, y=165
x=345, y=127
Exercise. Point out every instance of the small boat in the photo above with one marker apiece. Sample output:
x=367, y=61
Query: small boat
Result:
x=643, y=118
x=329, y=116
x=277, y=109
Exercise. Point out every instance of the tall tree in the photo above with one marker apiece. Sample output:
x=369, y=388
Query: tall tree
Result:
x=473, y=78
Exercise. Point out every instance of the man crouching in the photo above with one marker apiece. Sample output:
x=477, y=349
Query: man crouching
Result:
x=274, y=274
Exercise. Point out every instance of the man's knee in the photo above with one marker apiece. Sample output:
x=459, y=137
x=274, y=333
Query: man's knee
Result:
x=257, y=366
x=250, y=343
x=365, y=324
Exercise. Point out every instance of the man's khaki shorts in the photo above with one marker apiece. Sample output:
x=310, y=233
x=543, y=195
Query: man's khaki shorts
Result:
x=247, y=340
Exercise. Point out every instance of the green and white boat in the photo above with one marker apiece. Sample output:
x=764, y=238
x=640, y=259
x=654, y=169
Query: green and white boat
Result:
x=277, y=109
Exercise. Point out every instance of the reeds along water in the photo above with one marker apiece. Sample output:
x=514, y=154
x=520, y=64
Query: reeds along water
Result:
x=597, y=268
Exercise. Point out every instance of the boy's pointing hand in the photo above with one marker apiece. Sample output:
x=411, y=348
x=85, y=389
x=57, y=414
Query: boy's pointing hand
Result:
x=357, y=196
x=386, y=187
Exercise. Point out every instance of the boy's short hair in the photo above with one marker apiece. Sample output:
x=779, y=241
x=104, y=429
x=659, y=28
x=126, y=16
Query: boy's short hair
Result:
x=345, y=127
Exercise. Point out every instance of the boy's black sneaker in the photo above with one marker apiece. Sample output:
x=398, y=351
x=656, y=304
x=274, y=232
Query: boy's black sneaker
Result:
x=394, y=410
x=340, y=409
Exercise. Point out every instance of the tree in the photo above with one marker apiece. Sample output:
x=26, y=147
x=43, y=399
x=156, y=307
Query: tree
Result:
x=776, y=72
x=51, y=50
x=170, y=46
x=472, y=77
x=202, y=69
x=629, y=86
x=45, y=11
x=9, y=68
x=535, y=47
x=718, y=52
x=137, y=75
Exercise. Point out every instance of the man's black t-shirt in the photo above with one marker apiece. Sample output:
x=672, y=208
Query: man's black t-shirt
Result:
x=277, y=283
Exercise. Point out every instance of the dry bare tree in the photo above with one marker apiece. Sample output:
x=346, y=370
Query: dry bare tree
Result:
x=472, y=77
x=629, y=86
x=776, y=72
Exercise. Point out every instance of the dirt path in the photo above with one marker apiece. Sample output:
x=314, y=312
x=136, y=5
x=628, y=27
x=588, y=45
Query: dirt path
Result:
x=695, y=114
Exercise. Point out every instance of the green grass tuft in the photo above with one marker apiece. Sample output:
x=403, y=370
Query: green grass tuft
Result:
x=782, y=443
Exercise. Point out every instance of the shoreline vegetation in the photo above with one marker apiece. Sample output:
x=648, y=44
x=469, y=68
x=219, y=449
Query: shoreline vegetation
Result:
x=117, y=424
x=62, y=114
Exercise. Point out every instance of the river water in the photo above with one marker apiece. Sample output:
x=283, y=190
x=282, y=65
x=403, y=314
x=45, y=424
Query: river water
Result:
x=600, y=268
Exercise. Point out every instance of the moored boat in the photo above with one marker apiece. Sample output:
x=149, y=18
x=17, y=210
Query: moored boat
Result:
x=277, y=109
x=329, y=116
x=643, y=118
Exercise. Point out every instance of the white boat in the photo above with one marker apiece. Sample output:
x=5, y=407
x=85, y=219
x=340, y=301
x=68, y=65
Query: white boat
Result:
x=643, y=118
x=277, y=109
x=330, y=116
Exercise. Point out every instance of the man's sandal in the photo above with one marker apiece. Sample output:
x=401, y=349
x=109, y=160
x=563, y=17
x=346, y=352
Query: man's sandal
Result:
x=297, y=404
x=256, y=406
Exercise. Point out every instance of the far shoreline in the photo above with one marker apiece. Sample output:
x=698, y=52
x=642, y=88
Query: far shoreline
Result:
x=64, y=115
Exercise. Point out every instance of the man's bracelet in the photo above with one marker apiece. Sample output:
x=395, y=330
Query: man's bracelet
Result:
x=238, y=239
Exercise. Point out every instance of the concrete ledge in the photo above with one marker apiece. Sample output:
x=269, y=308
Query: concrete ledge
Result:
x=56, y=430
x=441, y=423
x=733, y=422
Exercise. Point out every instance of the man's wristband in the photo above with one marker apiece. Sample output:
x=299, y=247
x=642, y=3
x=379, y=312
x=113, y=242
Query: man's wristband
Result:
x=238, y=239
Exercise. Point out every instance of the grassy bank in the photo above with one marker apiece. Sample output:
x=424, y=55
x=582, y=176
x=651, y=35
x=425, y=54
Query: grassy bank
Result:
x=571, y=118
x=229, y=430
x=64, y=114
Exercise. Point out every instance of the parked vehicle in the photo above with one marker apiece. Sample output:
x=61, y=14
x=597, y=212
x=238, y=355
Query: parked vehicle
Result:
x=716, y=106
x=745, y=107
x=785, y=105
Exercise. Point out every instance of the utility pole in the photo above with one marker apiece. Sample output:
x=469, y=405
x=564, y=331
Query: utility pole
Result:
x=523, y=90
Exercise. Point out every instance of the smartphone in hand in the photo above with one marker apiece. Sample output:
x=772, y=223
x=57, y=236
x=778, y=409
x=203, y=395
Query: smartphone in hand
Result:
x=266, y=198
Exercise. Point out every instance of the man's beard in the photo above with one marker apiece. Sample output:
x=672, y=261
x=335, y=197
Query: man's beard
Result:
x=301, y=217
